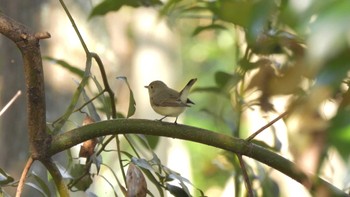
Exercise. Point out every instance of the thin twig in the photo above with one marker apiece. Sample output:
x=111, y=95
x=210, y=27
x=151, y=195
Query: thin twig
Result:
x=114, y=112
x=266, y=126
x=60, y=121
x=10, y=102
x=120, y=159
x=108, y=89
x=23, y=176
x=89, y=101
x=75, y=28
x=247, y=183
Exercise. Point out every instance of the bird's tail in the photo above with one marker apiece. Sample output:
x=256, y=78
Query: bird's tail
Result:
x=186, y=90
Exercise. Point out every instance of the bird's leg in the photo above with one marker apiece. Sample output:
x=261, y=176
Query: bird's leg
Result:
x=162, y=118
x=176, y=120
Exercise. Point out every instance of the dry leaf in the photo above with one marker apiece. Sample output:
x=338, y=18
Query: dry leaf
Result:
x=136, y=182
x=88, y=147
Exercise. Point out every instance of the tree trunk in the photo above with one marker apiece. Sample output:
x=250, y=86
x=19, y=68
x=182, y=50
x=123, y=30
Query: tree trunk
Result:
x=13, y=123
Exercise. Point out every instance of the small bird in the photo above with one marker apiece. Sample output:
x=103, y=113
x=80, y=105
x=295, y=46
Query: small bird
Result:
x=168, y=102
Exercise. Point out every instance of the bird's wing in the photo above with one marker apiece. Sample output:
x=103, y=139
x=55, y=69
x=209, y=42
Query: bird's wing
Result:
x=169, y=98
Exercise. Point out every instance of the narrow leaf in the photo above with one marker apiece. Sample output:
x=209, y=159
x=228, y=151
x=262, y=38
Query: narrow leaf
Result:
x=200, y=29
x=111, y=5
x=42, y=184
x=132, y=102
x=63, y=171
x=142, y=163
x=149, y=142
x=176, y=191
x=36, y=187
x=5, y=178
x=66, y=65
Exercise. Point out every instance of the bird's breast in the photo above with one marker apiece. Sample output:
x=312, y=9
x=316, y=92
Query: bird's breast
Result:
x=168, y=111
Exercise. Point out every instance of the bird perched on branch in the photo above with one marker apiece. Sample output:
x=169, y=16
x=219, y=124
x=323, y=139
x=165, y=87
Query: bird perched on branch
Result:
x=168, y=102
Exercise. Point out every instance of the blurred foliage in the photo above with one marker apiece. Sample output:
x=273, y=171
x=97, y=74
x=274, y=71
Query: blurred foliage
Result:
x=272, y=48
x=241, y=47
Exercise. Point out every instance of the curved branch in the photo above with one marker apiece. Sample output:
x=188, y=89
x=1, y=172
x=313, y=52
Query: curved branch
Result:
x=239, y=146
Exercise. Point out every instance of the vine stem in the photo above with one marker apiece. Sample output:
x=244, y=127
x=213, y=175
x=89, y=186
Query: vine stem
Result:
x=25, y=171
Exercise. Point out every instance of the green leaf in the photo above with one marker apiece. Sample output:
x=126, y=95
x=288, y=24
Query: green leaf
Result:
x=36, y=187
x=236, y=12
x=339, y=133
x=200, y=29
x=42, y=184
x=215, y=90
x=152, y=141
x=331, y=15
x=114, y=5
x=111, y=5
x=226, y=81
x=66, y=65
x=132, y=102
x=270, y=187
x=172, y=175
x=142, y=163
x=222, y=78
x=335, y=70
x=176, y=191
x=5, y=178
x=149, y=141
x=84, y=183
x=63, y=171
x=166, y=9
x=251, y=15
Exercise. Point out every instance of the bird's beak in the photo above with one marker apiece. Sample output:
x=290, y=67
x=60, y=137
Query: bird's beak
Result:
x=146, y=86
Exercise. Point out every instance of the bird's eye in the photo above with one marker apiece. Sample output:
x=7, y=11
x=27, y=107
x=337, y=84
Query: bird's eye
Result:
x=151, y=87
